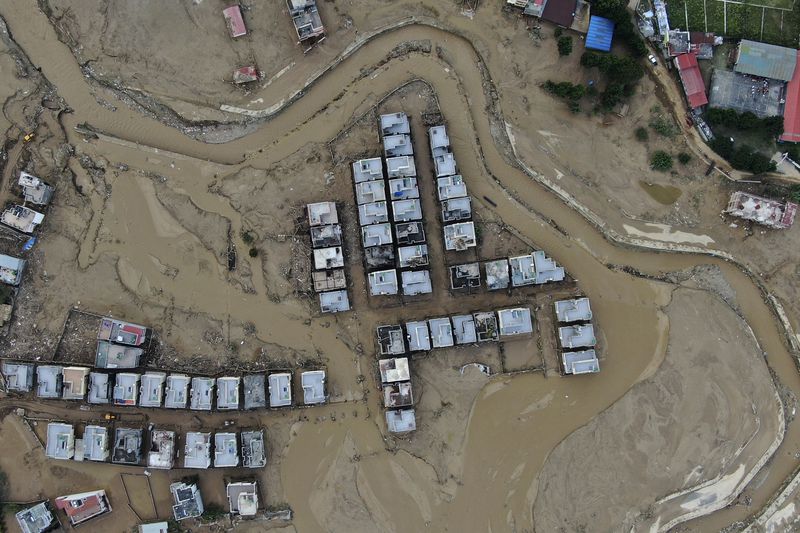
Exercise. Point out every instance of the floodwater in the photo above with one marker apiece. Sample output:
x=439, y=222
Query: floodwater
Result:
x=515, y=422
x=663, y=194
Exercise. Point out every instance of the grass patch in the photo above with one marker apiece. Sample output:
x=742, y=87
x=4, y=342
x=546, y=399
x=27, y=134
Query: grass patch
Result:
x=781, y=26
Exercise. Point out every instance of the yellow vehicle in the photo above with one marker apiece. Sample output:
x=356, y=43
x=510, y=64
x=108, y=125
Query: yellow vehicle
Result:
x=110, y=416
x=29, y=137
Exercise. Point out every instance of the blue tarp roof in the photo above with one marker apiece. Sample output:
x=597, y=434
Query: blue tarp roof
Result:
x=601, y=31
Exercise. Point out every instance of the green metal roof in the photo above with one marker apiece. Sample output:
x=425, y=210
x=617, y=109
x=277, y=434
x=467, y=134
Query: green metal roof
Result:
x=766, y=60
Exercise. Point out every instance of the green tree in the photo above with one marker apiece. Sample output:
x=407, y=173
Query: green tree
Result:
x=661, y=161
x=684, y=158
x=564, y=45
x=641, y=134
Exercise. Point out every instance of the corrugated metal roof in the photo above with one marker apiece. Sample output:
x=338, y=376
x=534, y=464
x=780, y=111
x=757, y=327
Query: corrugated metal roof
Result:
x=791, y=112
x=766, y=60
x=561, y=12
x=692, y=80
x=601, y=31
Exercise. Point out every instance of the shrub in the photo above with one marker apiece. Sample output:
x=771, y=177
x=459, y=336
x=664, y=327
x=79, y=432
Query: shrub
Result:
x=684, y=158
x=641, y=134
x=559, y=32
x=564, y=45
x=248, y=237
x=742, y=157
x=664, y=126
x=212, y=512
x=770, y=127
x=661, y=160
x=565, y=89
x=794, y=193
x=624, y=30
x=253, y=252
x=622, y=74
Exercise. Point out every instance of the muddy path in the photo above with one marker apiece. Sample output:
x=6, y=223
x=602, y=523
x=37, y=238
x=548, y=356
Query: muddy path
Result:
x=475, y=120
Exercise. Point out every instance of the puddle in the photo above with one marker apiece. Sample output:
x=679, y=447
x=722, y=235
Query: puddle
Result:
x=663, y=194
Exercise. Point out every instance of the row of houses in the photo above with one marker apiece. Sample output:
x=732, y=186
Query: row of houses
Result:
x=328, y=275
x=571, y=14
x=78, y=509
x=576, y=336
x=305, y=18
x=157, y=389
x=398, y=398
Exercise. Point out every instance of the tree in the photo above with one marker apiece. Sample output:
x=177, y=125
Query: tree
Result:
x=641, y=134
x=564, y=45
x=684, y=158
x=661, y=160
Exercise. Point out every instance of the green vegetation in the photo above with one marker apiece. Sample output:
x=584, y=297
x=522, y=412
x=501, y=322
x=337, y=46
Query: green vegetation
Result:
x=564, y=45
x=664, y=126
x=624, y=30
x=571, y=92
x=559, y=32
x=622, y=74
x=770, y=127
x=212, y=512
x=794, y=193
x=684, y=158
x=248, y=237
x=641, y=134
x=253, y=252
x=5, y=294
x=742, y=157
x=661, y=161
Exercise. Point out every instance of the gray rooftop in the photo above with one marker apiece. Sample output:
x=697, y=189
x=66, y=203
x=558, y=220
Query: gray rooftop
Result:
x=95, y=443
x=376, y=234
x=416, y=282
x=401, y=420
x=766, y=60
x=515, y=321
x=280, y=389
x=582, y=362
x=368, y=170
x=397, y=145
x=99, y=388
x=127, y=446
x=401, y=166
x=486, y=326
x=188, y=501
x=328, y=280
x=197, y=451
x=162, y=449
x=577, y=310
x=373, y=213
x=21, y=218
x=228, y=393
x=397, y=394
x=445, y=164
x=413, y=256
x=313, y=383
x=226, y=450
x=370, y=191
x=60, y=441
x=254, y=453
x=403, y=188
x=392, y=123
x=35, y=190
x=451, y=187
x=18, y=376
x=441, y=332
x=497, y=276
x=535, y=268
x=334, y=301
x=202, y=394
x=36, y=519
x=152, y=389
x=576, y=336
x=383, y=282
x=390, y=340
x=11, y=269
x=255, y=392
x=126, y=387
x=48, y=381
x=460, y=236
x=242, y=498
x=418, y=336
x=464, y=329
x=394, y=369
x=322, y=213
x=466, y=276
x=406, y=210
x=117, y=356
x=409, y=233
x=327, y=258
x=457, y=209
x=439, y=139
x=121, y=332
x=326, y=236
x=177, y=391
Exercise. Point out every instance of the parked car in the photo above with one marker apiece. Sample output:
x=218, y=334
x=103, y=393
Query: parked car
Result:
x=652, y=59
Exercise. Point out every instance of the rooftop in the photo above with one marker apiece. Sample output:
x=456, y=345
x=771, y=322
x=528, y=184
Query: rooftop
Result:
x=374, y=213
x=120, y=332
x=368, y=169
x=322, y=214
x=202, y=394
x=416, y=282
x=395, y=369
x=376, y=234
x=457, y=209
x=234, y=21
x=243, y=498
x=401, y=420
x=99, y=388
x=576, y=336
x=60, y=441
x=21, y=218
x=516, y=321
x=254, y=454
x=764, y=211
x=791, y=111
x=418, y=337
x=486, y=326
x=370, y=191
x=255, y=392
x=18, y=376
x=74, y=382
x=397, y=395
x=438, y=138
x=464, y=329
x=313, y=383
x=441, y=332
x=397, y=145
x=228, y=393
x=406, y=210
x=466, y=276
x=413, y=256
x=390, y=340
x=334, y=301
x=162, y=449
x=188, y=501
x=740, y=92
x=127, y=446
x=583, y=362
x=497, y=276
x=546, y=269
x=197, y=451
x=577, y=310
x=327, y=258
x=560, y=12
x=83, y=506
x=328, y=280
x=226, y=450
x=280, y=389
x=409, y=233
x=765, y=60
x=152, y=389
x=382, y=283
x=115, y=356
x=95, y=443
x=601, y=32
x=11, y=269
x=379, y=257
x=401, y=166
x=403, y=188
x=326, y=236
x=460, y=236
x=48, y=381
x=307, y=22
x=445, y=164
x=36, y=519
x=393, y=123
x=692, y=80
x=177, y=391
x=125, y=389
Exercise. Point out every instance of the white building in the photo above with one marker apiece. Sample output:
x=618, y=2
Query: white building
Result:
x=322, y=214
x=313, y=383
x=197, y=451
x=401, y=420
x=441, y=332
x=382, y=283
x=280, y=389
x=152, y=389
x=226, y=450
x=368, y=170
x=202, y=394
x=60, y=441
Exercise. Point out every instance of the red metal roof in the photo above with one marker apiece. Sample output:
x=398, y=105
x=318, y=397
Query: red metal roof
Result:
x=233, y=17
x=791, y=111
x=692, y=80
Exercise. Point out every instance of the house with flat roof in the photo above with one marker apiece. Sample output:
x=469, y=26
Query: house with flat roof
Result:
x=234, y=21
x=202, y=394
x=18, y=376
x=36, y=519
x=497, y=276
x=763, y=211
x=328, y=280
x=382, y=283
x=11, y=269
x=374, y=213
x=379, y=257
x=409, y=233
x=464, y=329
x=242, y=498
x=401, y=420
x=254, y=454
x=322, y=214
x=117, y=356
x=306, y=20
x=151, y=391
x=162, y=449
x=451, y=187
x=393, y=370
x=515, y=321
x=334, y=301
x=368, y=192
x=397, y=145
x=48, y=381
x=397, y=395
x=416, y=282
x=176, y=394
x=188, y=501
x=327, y=258
x=575, y=310
x=326, y=236
x=228, y=393
x=313, y=383
x=459, y=236
x=546, y=269
x=457, y=209
x=582, y=362
x=127, y=446
x=120, y=332
x=390, y=340
x=255, y=392
x=403, y=188
x=401, y=166
x=226, y=450
x=125, y=388
x=99, y=388
x=445, y=164
x=74, y=382
x=376, y=235
x=83, y=506
x=368, y=170
x=94, y=444
x=197, y=451
x=466, y=276
x=60, y=441
x=280, y=389
x=419, y=339
x=522, y=270
x=486, y=326
x=577, y=336
x=406, y=210
x=21, y=218
x=394, y=123
x=413, y=256
x=154, y=527
x=439, y=139
x=441, y=332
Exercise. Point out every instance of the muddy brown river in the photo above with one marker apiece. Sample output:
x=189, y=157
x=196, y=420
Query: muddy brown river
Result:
x=499, y=474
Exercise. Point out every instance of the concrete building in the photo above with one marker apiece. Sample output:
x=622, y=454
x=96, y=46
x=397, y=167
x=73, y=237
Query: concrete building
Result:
x=255, y=392
x=326, y=236
x=486, y=326
x=21, y=218
x=117, y=356
x=226, y=450
x=376, y=235
x=439, y=140
x=154, y=527
x=466, y=276
x=202, y=394
x=451, y=187
x=456, y=209
x=497, y=276
x=582, y=362
x=401, y=420
x=280, y=389
x=382, y=283
x=576, y=310
x=306, y=20
x=419, y=339
x=379, y=257
x=60, y=441
x=394, y=123
x=368, y=170
x=151, y=391
x=403, y=188
x=413, y=256
x=445, y=164
x=99, y=388
x=188, y=501
x=441, y=332
x=313, y=383
x=36, y=519
x=534, y=269
x=402, y=166
x=18, y=376
x=577, y=336
x=394, y=370
x=374, y=213
x=328, y=258
x=515, y=321
x=464, y=329
x=390, y=340
x=120, y=332
x=368, y=192
x=409, y=233
x=162, y=449
x=48, y=381
x=416, y=282
x=83, y=506
x=11, y=269
x=460, y=236
x=177, y=391
x=397, y=395
x=228, y=393
x=242, y=498
x=94, y=444
x=127, y=446
x=397, y=145
x=770, y=213
x=322, y=214
x=254, y=454
x=334, y=301
x=406, y=210
x=126, y=387
x=197, y=451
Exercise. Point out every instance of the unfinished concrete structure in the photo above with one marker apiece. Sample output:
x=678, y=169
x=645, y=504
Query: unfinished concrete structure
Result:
x=379, y=257
x=226, y=450
x=390, y=340
x=368, y=170
x=127, y=446
x=376, y=235
x=176, y=395
x=93, y=446
x=306, y=20
x=419, y=339
x=580, y=362
x=413, y=256
x=197, y=450
x=202, y=394
x=397, y=394
x=441, y=332
x=393, y=370
x=242, y=498
x=465, y=277
x=313, y=383
x=515, y=321
x=254, y=454
x=401, y=420
x=382, y=283
x=18, y=376
x=334, y=301
x=162, y=449
x=575, y=310
x=228, y=393
x=459, y=236
x=99, y=388
x=326, y=236
x=770, y=213
x=456, y=209
x=60, y=441
x=497, y=276
x=151, y=391
x=409, y=233
x=188, y=501
x=126, y=387
x=255, y=395
x=36, y=519
x=322, y=214
x=486, y=326
x=280, y=389
x=464, y=329
x=48, y=381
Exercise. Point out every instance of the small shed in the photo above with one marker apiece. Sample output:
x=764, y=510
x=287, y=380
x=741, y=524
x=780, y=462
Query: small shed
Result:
x=245, y=75
x=234, y=21
x=601, y=32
